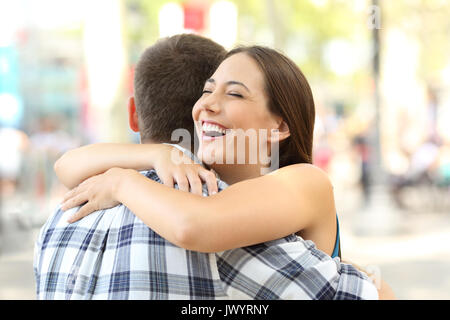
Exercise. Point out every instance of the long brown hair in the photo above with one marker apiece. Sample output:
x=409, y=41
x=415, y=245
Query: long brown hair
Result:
x=290, y=97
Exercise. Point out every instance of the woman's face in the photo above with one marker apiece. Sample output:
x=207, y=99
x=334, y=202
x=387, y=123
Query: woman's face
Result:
x=233, y=98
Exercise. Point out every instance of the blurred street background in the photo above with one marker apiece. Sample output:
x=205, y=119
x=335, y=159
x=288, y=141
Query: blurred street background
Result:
x=380, y=75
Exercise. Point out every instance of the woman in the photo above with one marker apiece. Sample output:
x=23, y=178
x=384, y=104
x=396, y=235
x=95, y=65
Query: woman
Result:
x=254, y=88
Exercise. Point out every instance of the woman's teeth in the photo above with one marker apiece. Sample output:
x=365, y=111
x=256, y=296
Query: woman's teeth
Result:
x=213, y=130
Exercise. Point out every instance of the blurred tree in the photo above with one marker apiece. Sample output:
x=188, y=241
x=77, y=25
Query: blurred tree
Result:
x=305, y=30
x=428, y=22
x=142, y=24
x=276, y=23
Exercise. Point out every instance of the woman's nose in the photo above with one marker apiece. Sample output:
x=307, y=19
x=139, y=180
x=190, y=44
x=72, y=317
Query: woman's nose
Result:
x=211, y=104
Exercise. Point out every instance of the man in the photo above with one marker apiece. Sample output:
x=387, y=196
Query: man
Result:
x=111, y=254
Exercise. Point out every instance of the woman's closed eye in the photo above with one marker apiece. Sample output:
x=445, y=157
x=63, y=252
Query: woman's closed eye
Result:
x=235, y=94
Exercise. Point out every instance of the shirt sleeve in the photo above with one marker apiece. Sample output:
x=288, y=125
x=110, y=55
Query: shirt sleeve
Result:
x=354, y=284
x=37, y=258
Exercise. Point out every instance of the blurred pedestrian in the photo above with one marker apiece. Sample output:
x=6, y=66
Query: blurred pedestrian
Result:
x=362, y=148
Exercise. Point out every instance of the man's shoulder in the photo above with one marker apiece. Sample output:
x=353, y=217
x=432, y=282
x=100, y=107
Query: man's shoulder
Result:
x=58, y=218
x=290, y=263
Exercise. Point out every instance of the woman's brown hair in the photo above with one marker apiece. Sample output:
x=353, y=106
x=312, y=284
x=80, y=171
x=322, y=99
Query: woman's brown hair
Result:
x=290, y=97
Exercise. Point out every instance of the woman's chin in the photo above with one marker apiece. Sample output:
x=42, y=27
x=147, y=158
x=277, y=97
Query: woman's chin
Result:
x=210, y=155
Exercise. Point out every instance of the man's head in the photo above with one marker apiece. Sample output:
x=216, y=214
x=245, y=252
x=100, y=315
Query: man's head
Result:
x=169, y=79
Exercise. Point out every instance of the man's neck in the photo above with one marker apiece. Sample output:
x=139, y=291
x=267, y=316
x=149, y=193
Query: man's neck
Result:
x=148, y=141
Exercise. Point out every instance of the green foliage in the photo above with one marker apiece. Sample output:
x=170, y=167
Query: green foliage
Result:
x=142, y=24
x=302, y=29
x=428, y=22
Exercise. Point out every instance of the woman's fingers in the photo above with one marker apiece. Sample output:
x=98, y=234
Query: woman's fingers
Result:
x=83, y=212
x=195, y=182
x=189, y=177
x=211, y=182
x=182, y=181
x=167, y=180
x=70, y=194
x=74, y=201
x=81, y=188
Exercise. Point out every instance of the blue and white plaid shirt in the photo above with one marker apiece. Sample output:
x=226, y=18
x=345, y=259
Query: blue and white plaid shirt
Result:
x=112, y=254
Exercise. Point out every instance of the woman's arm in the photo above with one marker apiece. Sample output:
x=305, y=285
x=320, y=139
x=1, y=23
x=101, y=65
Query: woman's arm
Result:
x=79, y=164
x=246, y=213
x=385, y=292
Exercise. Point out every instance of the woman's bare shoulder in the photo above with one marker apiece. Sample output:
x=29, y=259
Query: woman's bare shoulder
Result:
x=304, y=172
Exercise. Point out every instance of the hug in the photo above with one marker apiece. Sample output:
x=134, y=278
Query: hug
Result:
x=139, y=225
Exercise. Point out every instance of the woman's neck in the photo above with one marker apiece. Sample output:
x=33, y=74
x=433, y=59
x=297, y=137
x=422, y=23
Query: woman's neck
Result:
x=232, y=173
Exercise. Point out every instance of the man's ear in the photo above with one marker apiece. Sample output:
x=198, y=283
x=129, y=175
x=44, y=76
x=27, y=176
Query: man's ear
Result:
x=132, y=115
x=280, y=133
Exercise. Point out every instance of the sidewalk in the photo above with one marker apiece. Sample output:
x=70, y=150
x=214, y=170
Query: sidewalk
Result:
x=16, y=261
x=415, y=261
x=16, y=276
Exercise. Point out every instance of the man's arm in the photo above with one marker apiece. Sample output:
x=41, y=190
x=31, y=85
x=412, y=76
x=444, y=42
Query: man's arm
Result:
x=354, y=284
x=384, y=290
x=291, y=269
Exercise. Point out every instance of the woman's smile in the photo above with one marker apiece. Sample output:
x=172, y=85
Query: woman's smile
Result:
x=211, y=130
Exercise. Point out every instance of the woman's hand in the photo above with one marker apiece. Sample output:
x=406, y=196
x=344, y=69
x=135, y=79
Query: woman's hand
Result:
x=95, y=193
x=172, y=166
x=385, y=292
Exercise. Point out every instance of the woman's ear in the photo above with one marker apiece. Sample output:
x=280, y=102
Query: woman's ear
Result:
x=280, y=133
x=132, y=115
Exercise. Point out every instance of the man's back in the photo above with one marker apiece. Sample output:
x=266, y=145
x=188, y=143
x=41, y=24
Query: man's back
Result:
x=112, y=254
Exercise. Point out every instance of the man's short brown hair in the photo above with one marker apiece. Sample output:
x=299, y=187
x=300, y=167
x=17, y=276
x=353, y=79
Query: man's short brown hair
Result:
x=169, y=79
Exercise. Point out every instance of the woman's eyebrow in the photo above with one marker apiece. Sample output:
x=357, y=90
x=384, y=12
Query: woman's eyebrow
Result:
x=211, y=80
x=238, y=83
